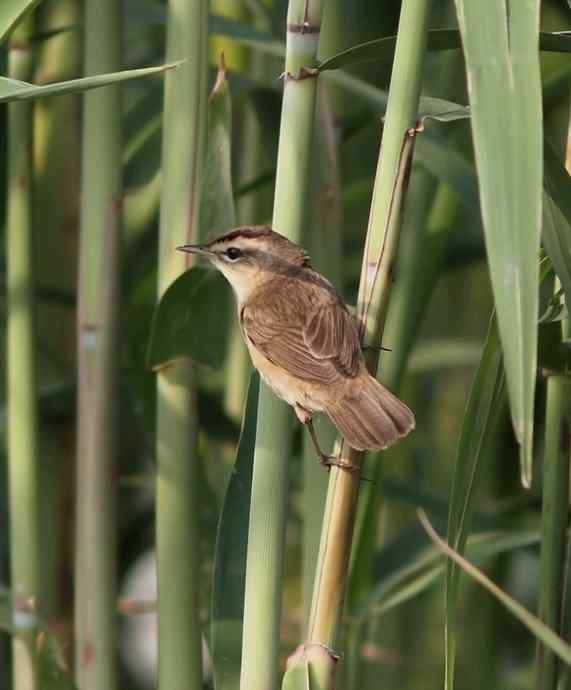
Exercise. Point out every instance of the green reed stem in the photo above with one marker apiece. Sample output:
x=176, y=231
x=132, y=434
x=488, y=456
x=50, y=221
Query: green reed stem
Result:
x=180, y=653
x=262, y=606
x=22, y=421
x=380, y=251
x=98, y=356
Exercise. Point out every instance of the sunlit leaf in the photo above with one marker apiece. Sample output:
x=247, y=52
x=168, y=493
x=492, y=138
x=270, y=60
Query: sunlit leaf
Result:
x=13, y=90
x=503, y=70
x=11, y=13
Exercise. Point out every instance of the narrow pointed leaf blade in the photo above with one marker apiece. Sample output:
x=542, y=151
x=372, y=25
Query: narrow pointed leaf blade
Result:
x=532, y=623
x=505, y=95
x=480, y=420
x=217, y=212
x=230, y=555
x=12, y=90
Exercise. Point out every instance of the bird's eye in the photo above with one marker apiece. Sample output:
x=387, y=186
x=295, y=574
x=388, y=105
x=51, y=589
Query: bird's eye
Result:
x=233, y=253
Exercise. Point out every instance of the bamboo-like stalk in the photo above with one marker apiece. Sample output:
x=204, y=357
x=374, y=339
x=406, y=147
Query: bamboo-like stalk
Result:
x=262, y=604
x=380, y=250
x=324, y=245
x=57, y=136
x=180, y=652
x=21, y=377
x=98, y=356
x=554, y=519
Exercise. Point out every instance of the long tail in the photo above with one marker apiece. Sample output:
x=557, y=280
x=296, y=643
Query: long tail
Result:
x=372, y=419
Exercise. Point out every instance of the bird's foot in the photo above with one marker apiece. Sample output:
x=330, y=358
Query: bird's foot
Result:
x=330, y=461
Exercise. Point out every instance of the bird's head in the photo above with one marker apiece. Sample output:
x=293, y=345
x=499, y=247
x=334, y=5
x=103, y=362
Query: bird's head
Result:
x=250, y=256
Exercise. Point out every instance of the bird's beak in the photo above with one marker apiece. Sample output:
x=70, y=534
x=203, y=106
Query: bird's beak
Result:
x=194, y=249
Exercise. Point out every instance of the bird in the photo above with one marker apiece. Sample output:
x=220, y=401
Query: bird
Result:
x=303, y=340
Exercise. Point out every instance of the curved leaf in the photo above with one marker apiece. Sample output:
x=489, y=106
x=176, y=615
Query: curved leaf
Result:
x=383, y=49
x=11, y=13
x=190, y=321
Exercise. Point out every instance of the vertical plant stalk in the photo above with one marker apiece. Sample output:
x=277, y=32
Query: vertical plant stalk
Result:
x=554, y=520
x=262, y=604
x=98, y=356
x=324, y=245
x=380, y=251
x=21, y=378
x=180, y=646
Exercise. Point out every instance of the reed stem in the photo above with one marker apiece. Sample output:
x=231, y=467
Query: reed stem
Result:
x=268, y=512
x=22, y=416
x=98, y=356
x=180, y=645
x=380, y=251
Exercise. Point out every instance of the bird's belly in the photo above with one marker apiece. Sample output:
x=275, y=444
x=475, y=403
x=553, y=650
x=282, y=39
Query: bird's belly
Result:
x=289, y=388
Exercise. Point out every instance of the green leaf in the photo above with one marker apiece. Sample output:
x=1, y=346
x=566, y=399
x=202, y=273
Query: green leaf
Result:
x=11, y=13
x=190, y=321
x=531, y=622
x=480, y=420
x=503, y=70
x=230, y=555
x=404, y=578
x=557, y=217
x=13, y=90
x=383, y=49
x=217, y=213
x=435, y=153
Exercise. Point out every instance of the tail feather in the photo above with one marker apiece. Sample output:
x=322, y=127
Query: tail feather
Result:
x=372, y=419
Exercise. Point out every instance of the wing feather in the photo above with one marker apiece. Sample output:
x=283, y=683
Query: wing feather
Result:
x=313, y=343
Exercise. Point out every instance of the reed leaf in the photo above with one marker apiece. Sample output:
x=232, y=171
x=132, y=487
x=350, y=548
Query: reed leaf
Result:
x=17, y=90
x=480, y=421
x=541, y=631
x=505, y=95
x=383, y=49
x=230, y=556
x=11, y=13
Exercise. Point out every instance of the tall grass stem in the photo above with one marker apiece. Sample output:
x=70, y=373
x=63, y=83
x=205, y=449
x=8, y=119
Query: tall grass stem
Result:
x=22, y=414
x=262, y=606
x=177, y=493
x=98, y=356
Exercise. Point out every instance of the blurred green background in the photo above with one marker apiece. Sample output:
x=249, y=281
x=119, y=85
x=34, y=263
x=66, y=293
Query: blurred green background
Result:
x=431, y=361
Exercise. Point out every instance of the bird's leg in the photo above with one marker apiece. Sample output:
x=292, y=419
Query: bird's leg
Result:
x=326, y=460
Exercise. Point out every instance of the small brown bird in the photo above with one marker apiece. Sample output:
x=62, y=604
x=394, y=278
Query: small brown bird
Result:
x=303, y=340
